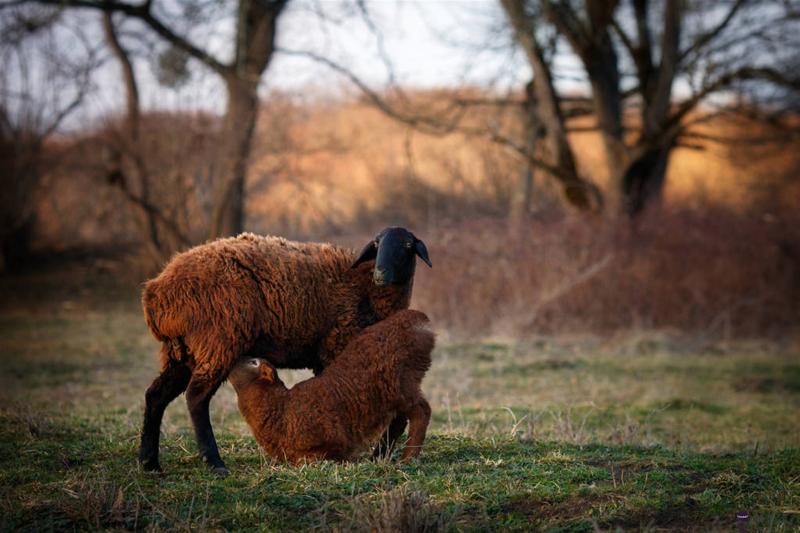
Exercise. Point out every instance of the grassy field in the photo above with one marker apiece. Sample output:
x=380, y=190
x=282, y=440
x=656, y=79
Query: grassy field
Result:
x=640, y=432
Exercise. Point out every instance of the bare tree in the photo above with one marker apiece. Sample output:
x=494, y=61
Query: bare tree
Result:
x=633, y=54
x=29, y=118
x=711, y=47
x=161, y=233
x=253, y=47
x=542, y=109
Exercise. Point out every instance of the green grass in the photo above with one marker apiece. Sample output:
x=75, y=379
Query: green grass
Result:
x=550, y=434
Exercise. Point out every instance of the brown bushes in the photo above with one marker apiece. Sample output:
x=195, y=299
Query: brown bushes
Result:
x=711, y=272
x=338, y=413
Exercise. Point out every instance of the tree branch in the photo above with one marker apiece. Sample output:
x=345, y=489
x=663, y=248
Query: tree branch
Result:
x=673, y=126
x=625, y=38
x=152, y=211
x=661, y=94
x=144, y=13
x=421, y=122
x=705, y=38
x=432, y=126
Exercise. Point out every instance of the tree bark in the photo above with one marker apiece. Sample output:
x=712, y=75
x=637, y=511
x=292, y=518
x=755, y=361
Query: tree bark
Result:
x=255, y=45
x=643, y=180
x=228, y=211
x=644, y=176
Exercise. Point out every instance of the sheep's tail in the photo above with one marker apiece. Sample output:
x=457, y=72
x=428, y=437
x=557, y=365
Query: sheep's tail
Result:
x=152, y=308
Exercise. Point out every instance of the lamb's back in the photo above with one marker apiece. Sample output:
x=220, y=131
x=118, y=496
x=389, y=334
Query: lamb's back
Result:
x=381, y=361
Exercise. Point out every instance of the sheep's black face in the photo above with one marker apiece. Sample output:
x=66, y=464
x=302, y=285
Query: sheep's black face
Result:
x=394, y=251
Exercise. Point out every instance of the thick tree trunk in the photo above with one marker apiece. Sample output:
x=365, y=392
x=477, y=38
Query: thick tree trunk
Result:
x=255, y=44
x=643, y=180
x=240, y=120
x=20, y=154
x=600, y=62
x=607, y=101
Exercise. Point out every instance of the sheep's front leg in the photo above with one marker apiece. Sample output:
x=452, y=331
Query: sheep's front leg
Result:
x=389, y=438
x=198, y=397
x=166, y=387
x=418, y=418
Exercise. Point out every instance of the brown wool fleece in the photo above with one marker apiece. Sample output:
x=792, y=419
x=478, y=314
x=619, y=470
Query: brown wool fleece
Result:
x=337, y=414
x=295, y=304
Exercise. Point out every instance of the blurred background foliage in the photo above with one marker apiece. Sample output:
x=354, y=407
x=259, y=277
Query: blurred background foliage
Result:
x=626, y=165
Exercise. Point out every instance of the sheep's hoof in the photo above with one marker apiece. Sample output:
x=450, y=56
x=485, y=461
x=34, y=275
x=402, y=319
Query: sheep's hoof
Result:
x=221, y=471
x=151, y=466
x=217, y=466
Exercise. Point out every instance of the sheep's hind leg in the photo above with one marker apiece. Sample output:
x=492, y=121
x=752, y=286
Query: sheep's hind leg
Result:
x=166, y=387
x=418, y=418
x=389, y=438
x=198, y=397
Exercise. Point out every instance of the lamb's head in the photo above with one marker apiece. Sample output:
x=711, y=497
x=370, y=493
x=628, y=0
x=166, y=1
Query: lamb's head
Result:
x=394, y=250
x=249, y=370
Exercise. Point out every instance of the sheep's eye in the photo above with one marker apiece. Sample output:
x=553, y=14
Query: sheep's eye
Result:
x=254, y=362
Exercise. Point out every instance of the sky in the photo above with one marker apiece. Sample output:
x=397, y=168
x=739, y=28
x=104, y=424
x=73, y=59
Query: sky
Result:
x=430, y=43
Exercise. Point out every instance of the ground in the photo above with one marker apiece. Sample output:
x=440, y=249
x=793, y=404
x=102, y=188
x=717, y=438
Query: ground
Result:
x=638, y=431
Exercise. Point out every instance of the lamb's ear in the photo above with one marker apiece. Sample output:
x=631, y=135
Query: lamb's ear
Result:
x=268, y=373
x=422, y=252
x=369, y=252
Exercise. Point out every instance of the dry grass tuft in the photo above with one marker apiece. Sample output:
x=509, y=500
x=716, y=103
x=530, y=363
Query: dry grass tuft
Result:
x=400, y=510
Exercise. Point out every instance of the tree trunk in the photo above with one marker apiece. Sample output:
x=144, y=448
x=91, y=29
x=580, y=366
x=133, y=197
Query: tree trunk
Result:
x=544, y=103
x=604, y=78
x=20, y=154
x=240, y=120
x=147, y=217
x=255, y=44
x=521, y=196
x=644, y=178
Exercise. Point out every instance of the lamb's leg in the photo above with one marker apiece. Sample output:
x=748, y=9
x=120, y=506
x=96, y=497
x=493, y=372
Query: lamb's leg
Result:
x=389, y=438
x=165, y=388
x=418, y=418
x=198, y=397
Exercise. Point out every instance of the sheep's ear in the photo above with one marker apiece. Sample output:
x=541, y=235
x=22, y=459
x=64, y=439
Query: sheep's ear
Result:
x=369, y=252
x=422, y=252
